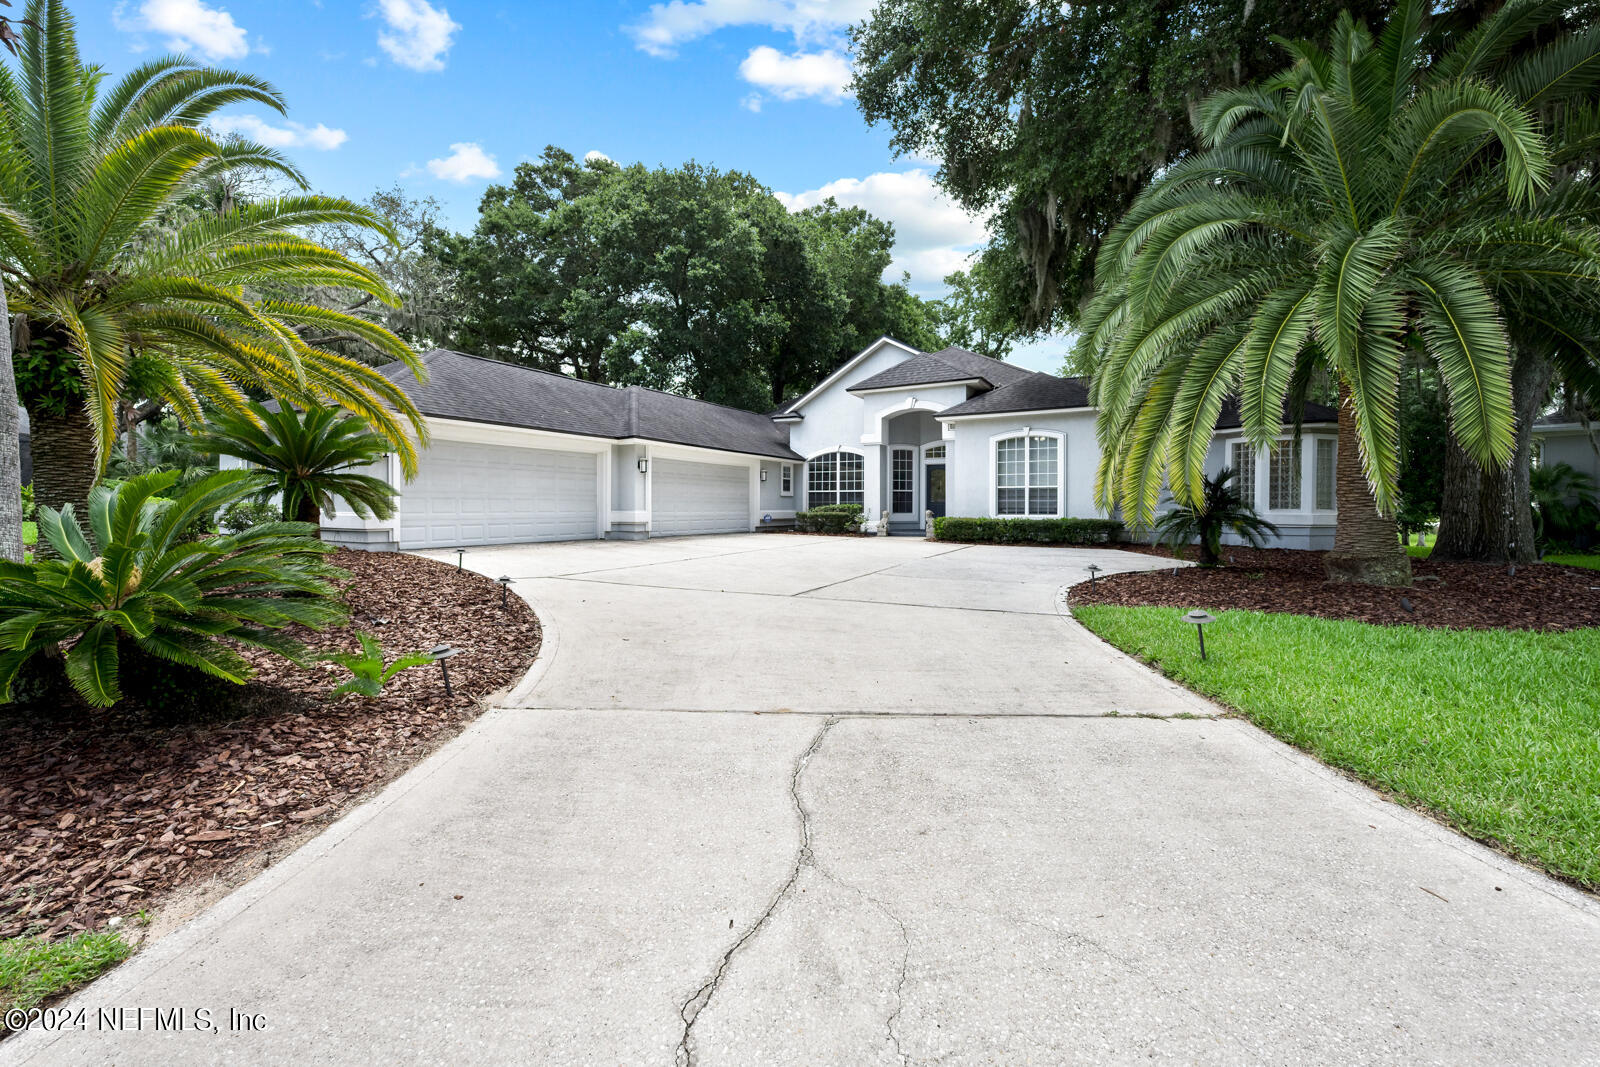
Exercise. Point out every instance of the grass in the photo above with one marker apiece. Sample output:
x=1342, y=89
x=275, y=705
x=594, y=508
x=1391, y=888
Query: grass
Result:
x=32, y=969
x=30, y=532
x=1494, y=730
x=1576, y=559
x=1419, y=551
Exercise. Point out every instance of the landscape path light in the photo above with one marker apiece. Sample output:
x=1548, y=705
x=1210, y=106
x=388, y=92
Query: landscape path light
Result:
x=1093, y=569
x=1199, y=618
x=440, y=653
x=461, y=554
x=505, y=583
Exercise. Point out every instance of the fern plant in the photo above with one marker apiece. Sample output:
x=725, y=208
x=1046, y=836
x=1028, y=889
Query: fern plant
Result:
x=368, y=675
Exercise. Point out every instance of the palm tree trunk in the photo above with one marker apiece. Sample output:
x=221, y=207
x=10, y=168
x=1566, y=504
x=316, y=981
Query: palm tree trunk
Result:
x=1366, y=543
x=309, y=512
x=63, y=458
x=10, y=446
x=1487, y=516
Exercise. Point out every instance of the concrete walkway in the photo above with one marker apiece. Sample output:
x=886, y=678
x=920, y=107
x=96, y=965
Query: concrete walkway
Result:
x=788, y=800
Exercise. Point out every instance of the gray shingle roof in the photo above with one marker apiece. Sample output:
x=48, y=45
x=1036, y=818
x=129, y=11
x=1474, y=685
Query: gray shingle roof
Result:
x=475, y=389
x=1034, y=391
x=946, y=365
x=1228, y=418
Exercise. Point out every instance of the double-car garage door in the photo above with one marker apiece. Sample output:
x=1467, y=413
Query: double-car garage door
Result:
x=472, y=494
x=698, y=498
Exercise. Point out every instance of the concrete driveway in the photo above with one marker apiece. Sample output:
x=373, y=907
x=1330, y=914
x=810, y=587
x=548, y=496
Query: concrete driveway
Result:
x=789, y=800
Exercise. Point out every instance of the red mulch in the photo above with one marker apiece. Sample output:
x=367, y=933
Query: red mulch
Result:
x=101, y=813
x=1464, y=596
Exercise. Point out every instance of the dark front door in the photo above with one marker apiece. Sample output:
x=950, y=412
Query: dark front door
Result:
x=935, y=495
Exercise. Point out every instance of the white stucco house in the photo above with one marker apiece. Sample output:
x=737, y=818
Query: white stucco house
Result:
x=523, y=455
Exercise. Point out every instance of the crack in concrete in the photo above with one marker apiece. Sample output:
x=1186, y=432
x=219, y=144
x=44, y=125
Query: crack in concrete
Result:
x=690, y=1010
x=905, y=956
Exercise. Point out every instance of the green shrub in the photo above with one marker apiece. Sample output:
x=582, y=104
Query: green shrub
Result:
x=239, y=517
x=830, y=519
x=28, y=506
x=1026, y=531
x=368, y=675
x=133, y=580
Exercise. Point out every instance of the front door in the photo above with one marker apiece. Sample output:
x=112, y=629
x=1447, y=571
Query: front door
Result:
x=935, y=496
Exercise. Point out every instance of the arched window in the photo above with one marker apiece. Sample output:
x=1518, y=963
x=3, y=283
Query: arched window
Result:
x=1027, y=475
x=835, y=478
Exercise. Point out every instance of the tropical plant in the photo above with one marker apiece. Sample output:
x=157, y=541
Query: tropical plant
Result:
x=1221, y=508
x=1566, y=503
x=106, y=303
x=308, y=457
x=1318, y=236
x=368, y=673
x=131, y=581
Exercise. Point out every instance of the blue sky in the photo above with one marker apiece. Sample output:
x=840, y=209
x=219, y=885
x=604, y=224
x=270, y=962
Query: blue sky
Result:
x=445, y=96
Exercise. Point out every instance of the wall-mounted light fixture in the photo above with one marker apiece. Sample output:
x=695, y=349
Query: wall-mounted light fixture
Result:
x=644, y=466
x=763, y=474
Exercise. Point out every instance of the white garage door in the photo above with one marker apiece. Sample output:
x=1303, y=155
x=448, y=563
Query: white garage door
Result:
x=490, y=495
x=698, y=498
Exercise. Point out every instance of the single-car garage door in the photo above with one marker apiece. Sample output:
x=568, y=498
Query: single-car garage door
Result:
x=698, y=498
x=466, y=494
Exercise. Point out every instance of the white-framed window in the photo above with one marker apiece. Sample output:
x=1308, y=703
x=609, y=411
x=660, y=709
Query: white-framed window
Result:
x=1027, y=476
x=902, y=480
x=1243, y=462
x=934, y=452
x=786, y=480
x=835, y=478
x=1283, y=476
x=1327, y=497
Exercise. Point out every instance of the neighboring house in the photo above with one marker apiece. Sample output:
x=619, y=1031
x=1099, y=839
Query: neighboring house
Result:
x=524, y=455
x=1559, y=441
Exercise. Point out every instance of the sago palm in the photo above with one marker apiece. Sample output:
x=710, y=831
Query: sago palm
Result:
x=1323, y=231
x=308, y=458
x=107, y=304
x=133, y=579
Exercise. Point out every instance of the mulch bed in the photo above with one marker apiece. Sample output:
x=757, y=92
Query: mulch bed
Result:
x=104, y=812
x=1465, y=596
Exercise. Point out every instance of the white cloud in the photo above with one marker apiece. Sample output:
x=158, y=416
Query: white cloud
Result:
x=668, y=25
x=933, y=236
x=594, y=154
x=466, y=161
x=189, y=26
x=823, y=75
x=289, y=135
x=752, y=103
x=418, y=34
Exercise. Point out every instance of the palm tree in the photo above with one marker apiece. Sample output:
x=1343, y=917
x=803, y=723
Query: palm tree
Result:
x=310, y=458
x=1220, y=509
x=105, y=302
x=1319, y=236
x=1566, y=502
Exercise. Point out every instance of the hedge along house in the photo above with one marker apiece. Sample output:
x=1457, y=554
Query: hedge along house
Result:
x=520, y=455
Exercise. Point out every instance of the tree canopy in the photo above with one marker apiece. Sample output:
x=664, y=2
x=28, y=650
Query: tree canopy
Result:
x=688, y=279
x=1053, y=117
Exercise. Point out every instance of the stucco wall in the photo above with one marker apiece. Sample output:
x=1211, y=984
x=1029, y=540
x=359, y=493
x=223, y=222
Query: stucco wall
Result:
x=1569, y=445
x=969, y=489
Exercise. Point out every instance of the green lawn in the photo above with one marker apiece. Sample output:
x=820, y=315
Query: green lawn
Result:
x=1498, y=731
x=1419, y=551
x=1587, y=559
x=32, y=970
x=30, y=533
